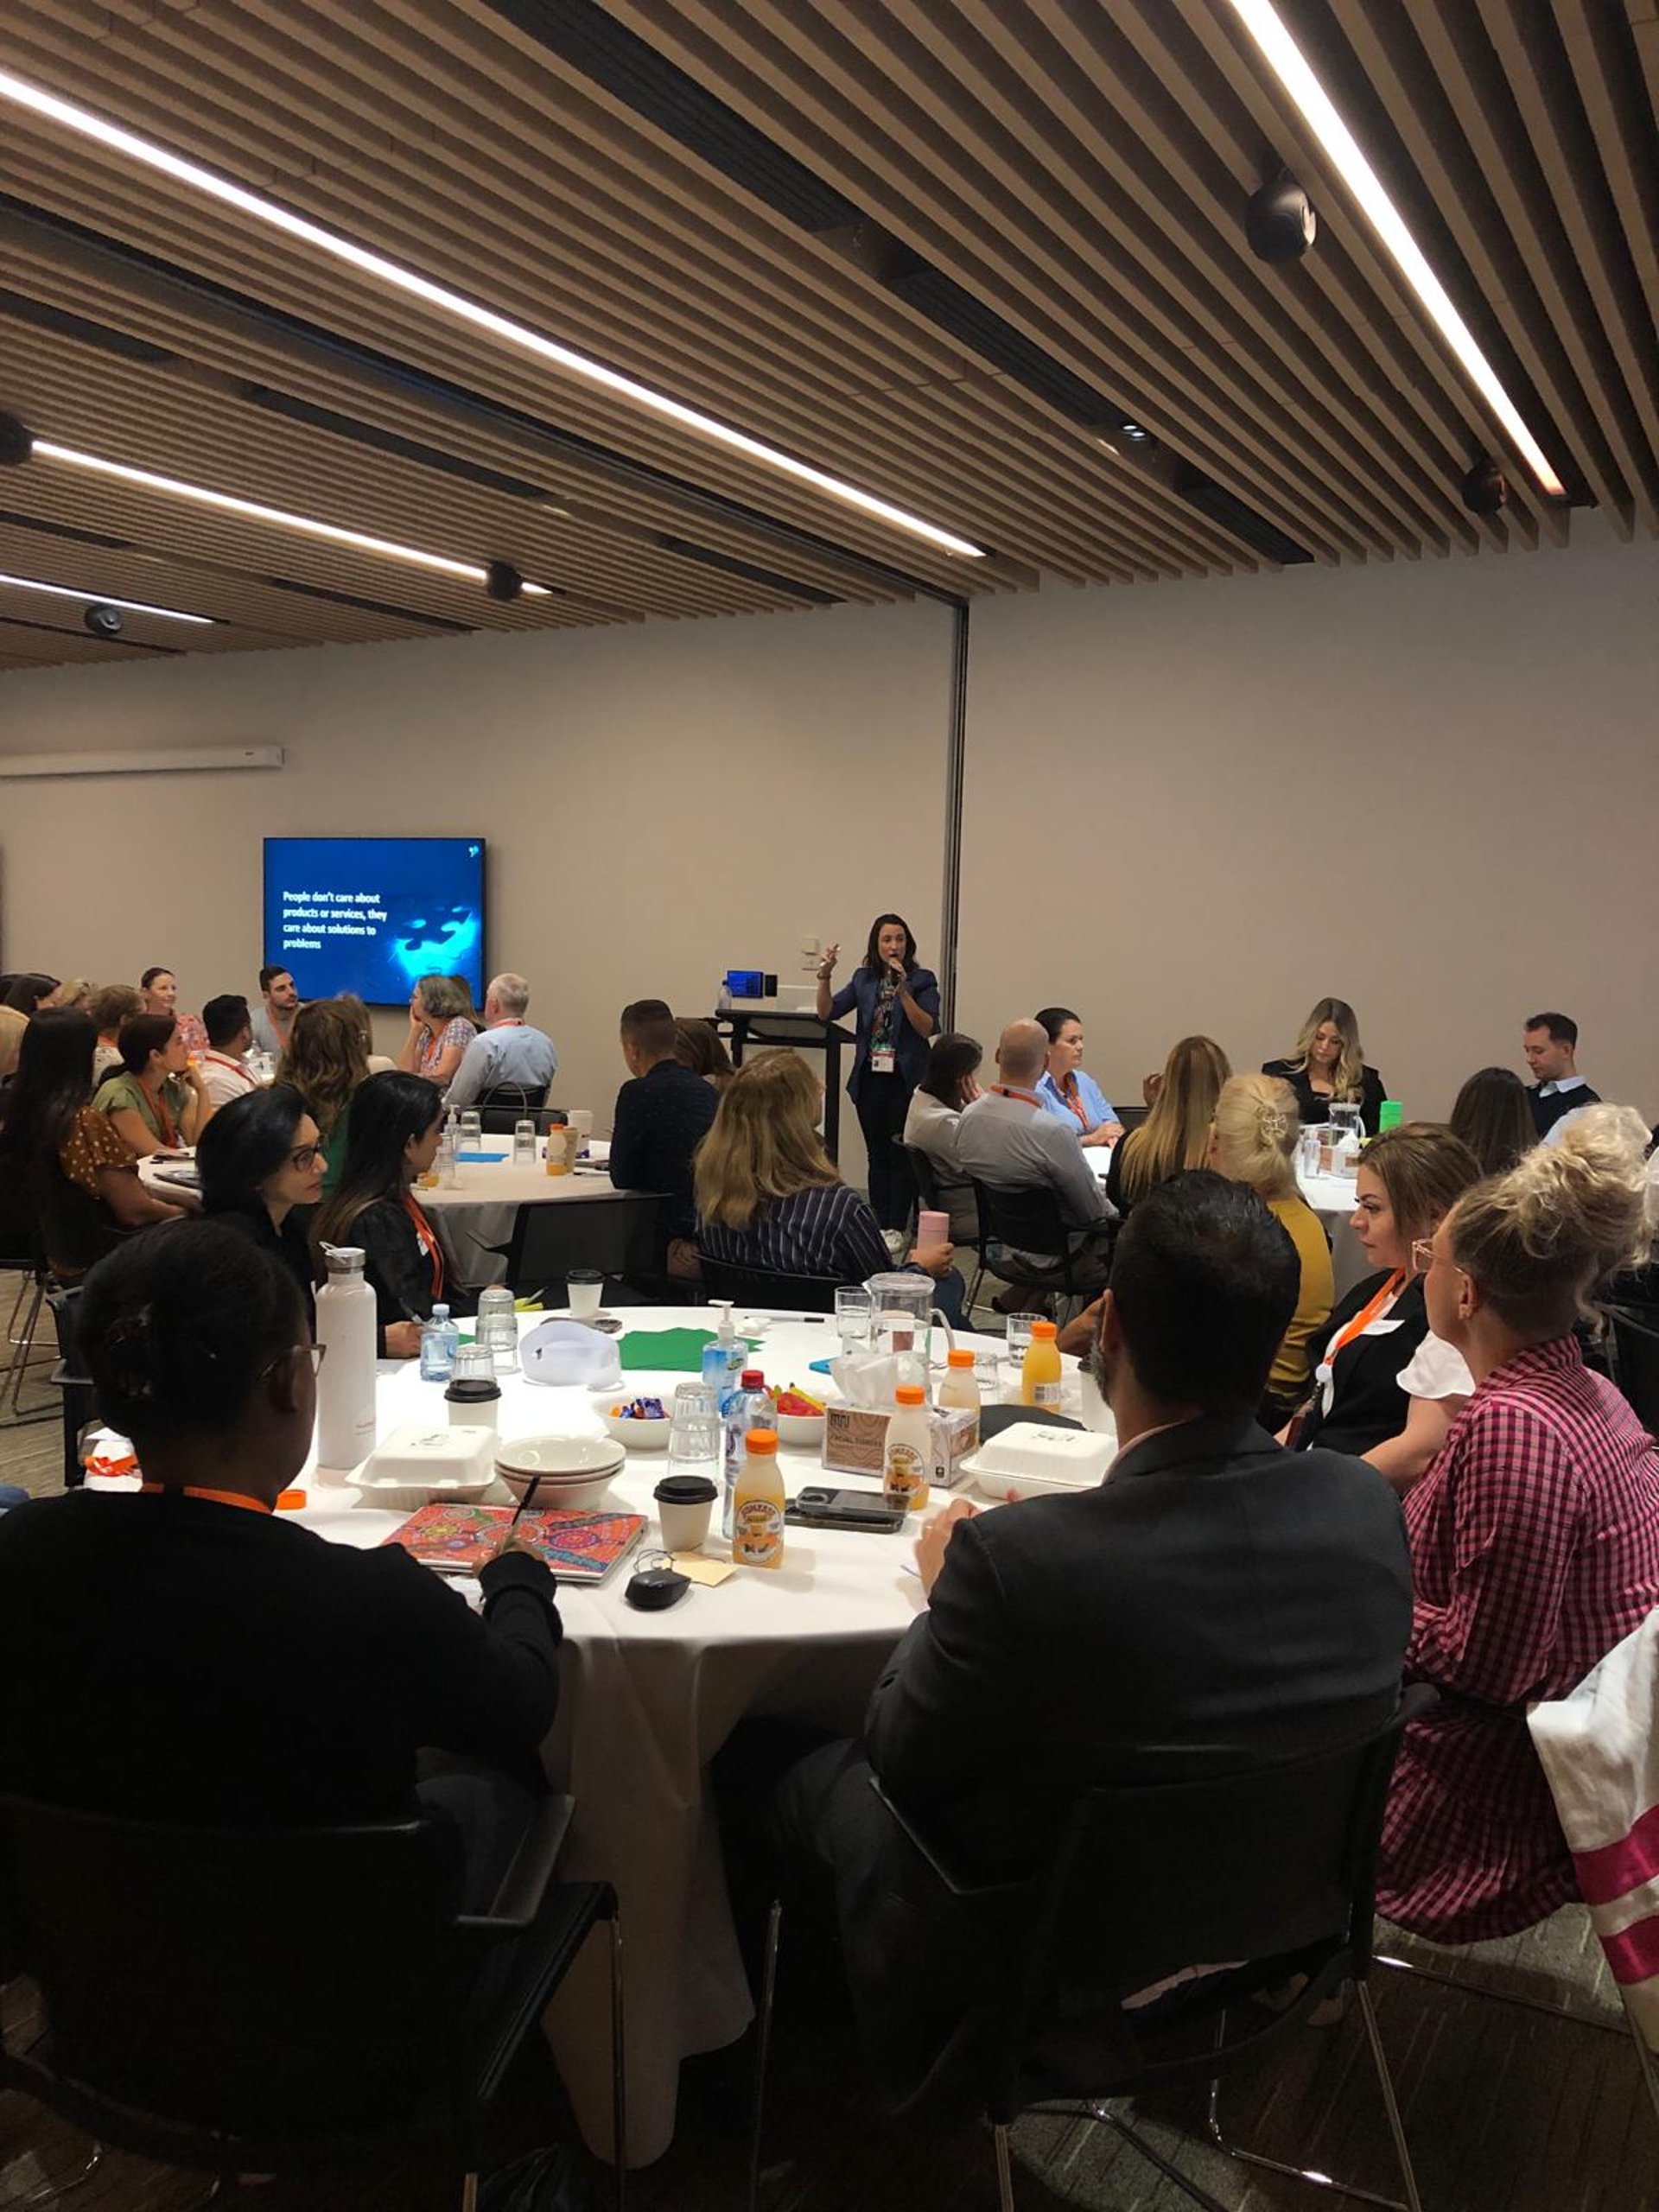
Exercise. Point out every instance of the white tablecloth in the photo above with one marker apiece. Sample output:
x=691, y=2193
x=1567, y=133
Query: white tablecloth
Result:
x=647, y=1700
x=478, y=1210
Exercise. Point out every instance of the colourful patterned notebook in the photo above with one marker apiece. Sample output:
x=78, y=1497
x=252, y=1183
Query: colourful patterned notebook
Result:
x=580, y=1548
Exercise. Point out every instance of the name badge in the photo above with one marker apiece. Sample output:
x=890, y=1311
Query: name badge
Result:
x=883, y=1063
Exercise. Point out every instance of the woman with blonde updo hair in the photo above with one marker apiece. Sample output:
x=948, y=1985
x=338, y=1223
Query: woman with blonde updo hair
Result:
x=1535, y=1535
x=1253, y=1139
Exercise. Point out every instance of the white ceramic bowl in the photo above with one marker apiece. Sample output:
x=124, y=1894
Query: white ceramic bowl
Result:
x=632, y=1436
x=803, y=1429
x=572, y=1470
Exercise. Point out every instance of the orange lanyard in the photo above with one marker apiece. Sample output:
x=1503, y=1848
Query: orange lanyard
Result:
x=1071, y=1098
x=168, y=1133
x=1363, y=1320
x=429, y=1244
x=213, y=1496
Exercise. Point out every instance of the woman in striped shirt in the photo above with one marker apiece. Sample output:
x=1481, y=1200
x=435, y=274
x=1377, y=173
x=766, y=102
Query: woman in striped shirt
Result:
x=1535, y=1534
x=768, y=1195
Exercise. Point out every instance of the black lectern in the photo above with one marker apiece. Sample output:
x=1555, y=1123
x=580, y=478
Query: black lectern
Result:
x=746, y=1026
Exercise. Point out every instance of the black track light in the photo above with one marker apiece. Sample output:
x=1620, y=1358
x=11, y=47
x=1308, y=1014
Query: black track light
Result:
x=502, y=580
x=104, y=621
x=1279, y=220
x=1486, y=488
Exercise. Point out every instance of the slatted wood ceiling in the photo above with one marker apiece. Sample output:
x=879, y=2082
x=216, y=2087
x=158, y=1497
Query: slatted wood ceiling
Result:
x=1010, y=208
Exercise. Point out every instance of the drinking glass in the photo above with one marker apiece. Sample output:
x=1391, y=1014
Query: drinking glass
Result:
x=524, y=1144
x=855, y=1317
x=987, y=1373
x=498, y=1326
x=1019, y=1340
x=472, y=1131
x=695, y=1444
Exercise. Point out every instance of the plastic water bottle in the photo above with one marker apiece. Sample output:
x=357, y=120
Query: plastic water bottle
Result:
x=440, y=1340
x=346, y=1323
x=747, y=1407
x=723, y=997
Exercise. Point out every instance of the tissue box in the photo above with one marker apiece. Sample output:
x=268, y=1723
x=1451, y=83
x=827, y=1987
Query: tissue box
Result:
x=856, y=1441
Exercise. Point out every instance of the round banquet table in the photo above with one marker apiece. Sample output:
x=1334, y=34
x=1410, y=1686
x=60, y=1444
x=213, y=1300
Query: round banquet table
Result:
x=476, y=1212
x=647, y=1699
x=1331, y=1197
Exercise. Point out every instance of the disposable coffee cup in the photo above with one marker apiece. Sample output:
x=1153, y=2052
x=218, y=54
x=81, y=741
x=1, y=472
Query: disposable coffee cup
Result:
x=474, y=1401
x=581, y=1122
x=685, y=1506
x=584, y=1289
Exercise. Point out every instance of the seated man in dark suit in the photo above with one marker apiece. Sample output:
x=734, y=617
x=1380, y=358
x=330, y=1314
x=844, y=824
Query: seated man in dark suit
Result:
x=1216, y=1604
x=185, y=1655
x=661, y=1118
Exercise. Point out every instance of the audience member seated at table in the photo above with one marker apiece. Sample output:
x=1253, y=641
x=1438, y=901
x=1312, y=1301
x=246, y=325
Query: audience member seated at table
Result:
x=1176, y=1132
x=1007, y=1140
x=326, y=1063
x=1383, y=1387
x=261, y=1162
x=225, y=1072
x=74, y=996
x=1551, y=1045
x=768, y=1195
x=358, y=1014
x=507, y=1052
x=663, y=1113
x=115, y=1004
x=12, y=1025
x=160, y=988
x=1215, y=1597
x=1065, y=1087
x=1494, y=1119
x=1253, y=1140
x=397, y=1120
x=81, y=1177
x=196, y=1658
x=1328, y=1064
x=30, y=994
x=439, y=1031
x=156, y=1100
x=1534, y=1536
x=699, y=1046
x=947, y=1086
x=279, y=1001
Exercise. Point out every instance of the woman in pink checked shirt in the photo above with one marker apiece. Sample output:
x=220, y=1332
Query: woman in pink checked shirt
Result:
x=1535, y=1534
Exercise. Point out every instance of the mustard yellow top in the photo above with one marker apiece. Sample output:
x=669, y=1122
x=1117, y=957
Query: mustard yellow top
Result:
x=1291, y=1362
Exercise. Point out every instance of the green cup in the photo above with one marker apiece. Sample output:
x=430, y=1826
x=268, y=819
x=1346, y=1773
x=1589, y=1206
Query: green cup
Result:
x=1390, y=1115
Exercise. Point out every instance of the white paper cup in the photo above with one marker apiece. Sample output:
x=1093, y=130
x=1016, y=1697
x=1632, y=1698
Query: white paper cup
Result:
x=685, y=1524
x=584, y=1287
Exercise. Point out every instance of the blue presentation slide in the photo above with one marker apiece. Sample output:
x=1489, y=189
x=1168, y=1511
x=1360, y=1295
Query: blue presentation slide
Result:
x=374, y=914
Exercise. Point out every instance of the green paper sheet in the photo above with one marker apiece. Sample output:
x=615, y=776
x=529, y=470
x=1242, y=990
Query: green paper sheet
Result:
x=663, y=1351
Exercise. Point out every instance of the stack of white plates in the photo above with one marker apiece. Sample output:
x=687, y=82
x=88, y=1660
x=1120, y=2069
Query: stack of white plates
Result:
x=568, y=1471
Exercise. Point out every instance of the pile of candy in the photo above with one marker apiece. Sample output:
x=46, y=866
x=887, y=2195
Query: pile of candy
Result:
x=639, y=1409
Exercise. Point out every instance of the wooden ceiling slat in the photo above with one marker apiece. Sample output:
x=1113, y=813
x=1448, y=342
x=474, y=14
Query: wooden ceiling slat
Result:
x=1624, y=139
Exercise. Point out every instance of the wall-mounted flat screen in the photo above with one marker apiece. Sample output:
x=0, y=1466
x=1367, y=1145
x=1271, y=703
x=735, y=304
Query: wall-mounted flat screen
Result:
x=374, y=914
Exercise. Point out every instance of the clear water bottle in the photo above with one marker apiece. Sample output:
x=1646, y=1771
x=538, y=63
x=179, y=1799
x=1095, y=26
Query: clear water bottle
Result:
x=723, y=997
x=524, y=1144
x=498, y=1327
x=747, y=1407
x=440, y=1340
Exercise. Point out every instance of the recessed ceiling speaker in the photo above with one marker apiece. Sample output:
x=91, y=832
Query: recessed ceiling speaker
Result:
x=103, y=621
x=15, y=443
x=1279, y=223
x=502, y=580
x=1486, y=488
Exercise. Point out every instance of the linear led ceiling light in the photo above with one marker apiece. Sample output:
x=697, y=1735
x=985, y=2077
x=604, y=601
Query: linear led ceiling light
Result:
x=1288, y=63
x=81, y=119
x=104, y=599
x=44, y=450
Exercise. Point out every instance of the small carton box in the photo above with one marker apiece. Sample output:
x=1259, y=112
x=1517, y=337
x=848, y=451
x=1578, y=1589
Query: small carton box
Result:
x=856, y=1441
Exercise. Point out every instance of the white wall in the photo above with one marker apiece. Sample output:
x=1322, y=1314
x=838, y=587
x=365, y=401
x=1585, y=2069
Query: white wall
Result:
x=661, y=802
x=1431, y=789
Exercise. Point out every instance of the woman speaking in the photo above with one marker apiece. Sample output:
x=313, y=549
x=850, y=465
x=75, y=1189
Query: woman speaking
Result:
x=898, y=1010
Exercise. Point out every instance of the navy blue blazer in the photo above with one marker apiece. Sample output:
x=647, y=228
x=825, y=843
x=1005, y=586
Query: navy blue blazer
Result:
x=910, y=1049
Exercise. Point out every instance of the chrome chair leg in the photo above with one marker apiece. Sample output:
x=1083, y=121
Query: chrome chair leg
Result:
x=54, y=2192
x=763, y=2047
x=619, y=2071
x=1138, y=2142
x=1411, y=2203
x=1498, y=1996
x=469, y=2193
x=1004, y=2170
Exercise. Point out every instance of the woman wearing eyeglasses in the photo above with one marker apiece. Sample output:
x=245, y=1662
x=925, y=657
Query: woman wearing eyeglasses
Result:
x=261, y=1162
x=397, y=1120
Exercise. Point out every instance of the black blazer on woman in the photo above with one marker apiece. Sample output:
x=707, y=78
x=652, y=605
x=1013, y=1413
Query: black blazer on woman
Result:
x=398, y=1267
x=1314, y=1109
x=1367, y=1404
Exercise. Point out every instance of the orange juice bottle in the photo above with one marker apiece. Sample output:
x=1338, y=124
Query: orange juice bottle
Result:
x=909, y=1453
x=758, y=1504
x=961, y=1387
x=1039, y=1381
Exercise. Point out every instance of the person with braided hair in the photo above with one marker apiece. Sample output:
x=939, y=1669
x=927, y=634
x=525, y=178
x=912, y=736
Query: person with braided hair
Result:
x=1253, y=1139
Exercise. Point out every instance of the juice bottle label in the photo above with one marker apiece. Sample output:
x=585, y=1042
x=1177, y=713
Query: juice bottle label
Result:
x=1048, y=1394
x=904, y=1483
x=757, y=1533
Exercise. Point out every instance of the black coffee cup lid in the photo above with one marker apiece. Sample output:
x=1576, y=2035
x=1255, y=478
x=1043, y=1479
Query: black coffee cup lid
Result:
x=685, y=1490
x=472, y=1390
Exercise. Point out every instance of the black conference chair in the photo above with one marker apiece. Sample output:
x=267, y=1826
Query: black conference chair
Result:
x=21, y=1254
x=300, y=2001
x=70, y=1378
x=626, y=1237
x=1636, y=1363
x=1030, y=1220
x=769, y=1288
x=503, y=1107
x=1275, y=1867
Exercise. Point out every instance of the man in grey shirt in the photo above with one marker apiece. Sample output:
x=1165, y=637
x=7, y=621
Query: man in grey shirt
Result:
x=1006, y=1139
x=507, y=1050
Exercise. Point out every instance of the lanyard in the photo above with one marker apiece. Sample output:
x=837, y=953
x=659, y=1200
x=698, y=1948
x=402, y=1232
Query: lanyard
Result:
x=213, y=1496
x=1006, y=1090
x=167, y=1134
x=1070, y=1095
x=1363, y=1320
x=429, y=1244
